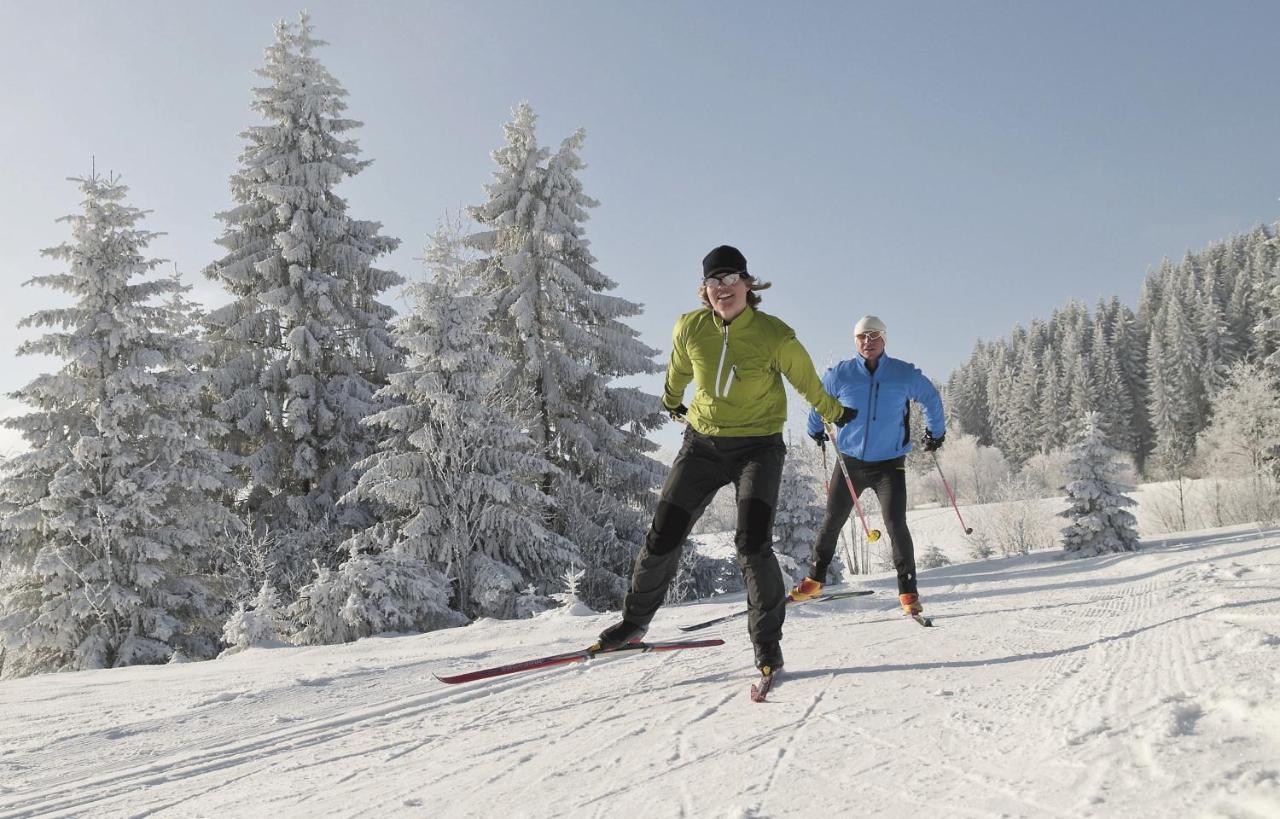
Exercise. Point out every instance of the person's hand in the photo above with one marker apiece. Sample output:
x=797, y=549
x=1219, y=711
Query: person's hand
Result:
x=845, y=417
x=932, y=444
x=678, y=414
x=820, y=437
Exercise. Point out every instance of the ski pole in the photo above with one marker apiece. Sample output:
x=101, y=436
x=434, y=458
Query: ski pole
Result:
x=872, y=534
x=950, y=494
x=826, y=470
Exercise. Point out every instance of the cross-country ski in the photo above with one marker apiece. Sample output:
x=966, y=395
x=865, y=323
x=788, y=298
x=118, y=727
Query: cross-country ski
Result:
x=582, y=655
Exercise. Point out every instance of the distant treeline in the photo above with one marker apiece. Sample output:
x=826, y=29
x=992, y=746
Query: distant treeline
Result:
x=1152, y=375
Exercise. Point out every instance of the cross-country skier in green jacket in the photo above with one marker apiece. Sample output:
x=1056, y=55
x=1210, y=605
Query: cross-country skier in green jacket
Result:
x=736, y=356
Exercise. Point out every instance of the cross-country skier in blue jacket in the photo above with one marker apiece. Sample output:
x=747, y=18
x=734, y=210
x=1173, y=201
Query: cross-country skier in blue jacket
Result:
x=874, y=447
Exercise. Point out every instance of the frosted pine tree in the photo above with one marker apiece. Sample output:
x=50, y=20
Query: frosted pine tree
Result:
x=110, y=512
x=454, y=483
x=1112, y=396
x=304, y=344
x=1131, y=356
x=1173, y=388
x=567, y=340
x=1099, y=519
x=1049, y=423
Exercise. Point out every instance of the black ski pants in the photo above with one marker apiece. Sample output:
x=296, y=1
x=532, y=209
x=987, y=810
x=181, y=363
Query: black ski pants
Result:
x=888, y=479
x=753, y=464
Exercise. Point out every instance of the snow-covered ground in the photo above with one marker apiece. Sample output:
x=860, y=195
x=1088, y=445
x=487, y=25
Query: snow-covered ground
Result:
x=1130, y=685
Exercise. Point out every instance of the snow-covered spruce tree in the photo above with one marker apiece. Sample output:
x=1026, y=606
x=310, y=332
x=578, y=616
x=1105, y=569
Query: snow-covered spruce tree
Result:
x=1100, y=521
x=110, y=512
x=304, y=344
x=453, y=485
x=567, y=340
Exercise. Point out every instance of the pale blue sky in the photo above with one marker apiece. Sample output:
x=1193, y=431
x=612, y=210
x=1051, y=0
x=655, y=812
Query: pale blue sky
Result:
x=953, y=167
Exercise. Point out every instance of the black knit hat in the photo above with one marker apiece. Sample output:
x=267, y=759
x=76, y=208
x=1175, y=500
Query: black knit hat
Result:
x=724, y=259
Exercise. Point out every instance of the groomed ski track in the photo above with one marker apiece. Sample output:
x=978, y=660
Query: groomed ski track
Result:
x=1126, y=685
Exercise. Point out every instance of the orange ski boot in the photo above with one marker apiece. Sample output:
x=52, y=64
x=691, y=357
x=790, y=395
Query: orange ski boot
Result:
x=807, y=590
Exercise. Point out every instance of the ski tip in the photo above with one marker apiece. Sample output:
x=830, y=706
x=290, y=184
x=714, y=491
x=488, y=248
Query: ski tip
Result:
x=760, y=690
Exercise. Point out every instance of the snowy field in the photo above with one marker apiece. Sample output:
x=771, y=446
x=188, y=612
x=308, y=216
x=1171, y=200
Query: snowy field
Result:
x=1128, y=685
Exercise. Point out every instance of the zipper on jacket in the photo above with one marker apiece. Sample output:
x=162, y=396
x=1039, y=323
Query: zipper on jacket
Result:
x=724, y=351
x=871, y=408
x=728, y=384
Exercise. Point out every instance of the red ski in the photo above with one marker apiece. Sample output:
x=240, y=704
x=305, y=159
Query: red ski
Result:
x=573, y=657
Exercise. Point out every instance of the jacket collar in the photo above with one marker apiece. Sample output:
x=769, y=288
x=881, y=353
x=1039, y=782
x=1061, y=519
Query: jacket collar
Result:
x=743, y=319
x=861, y=363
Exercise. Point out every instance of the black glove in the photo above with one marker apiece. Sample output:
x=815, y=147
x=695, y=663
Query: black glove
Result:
x=678, y=414
x=932, y=444
x=845, y=417
x=820, y=437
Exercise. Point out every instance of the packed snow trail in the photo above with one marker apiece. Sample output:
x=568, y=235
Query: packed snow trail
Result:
x=1129, y=685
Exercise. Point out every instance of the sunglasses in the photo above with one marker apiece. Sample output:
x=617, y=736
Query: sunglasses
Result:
x=727, y=280
x=870, y=335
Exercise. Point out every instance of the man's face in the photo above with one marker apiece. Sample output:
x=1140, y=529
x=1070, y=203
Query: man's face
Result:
x=870, y=344
x=727, y=300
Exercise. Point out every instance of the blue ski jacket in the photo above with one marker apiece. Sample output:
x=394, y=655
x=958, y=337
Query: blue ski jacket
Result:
x=883, y=399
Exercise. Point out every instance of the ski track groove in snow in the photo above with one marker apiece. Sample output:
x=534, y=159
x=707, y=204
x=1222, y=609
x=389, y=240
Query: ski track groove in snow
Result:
x=124, y=780
x=1138, y=685
x=785, y=749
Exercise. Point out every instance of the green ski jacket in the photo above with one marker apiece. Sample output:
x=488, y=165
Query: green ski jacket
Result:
x=738, y=369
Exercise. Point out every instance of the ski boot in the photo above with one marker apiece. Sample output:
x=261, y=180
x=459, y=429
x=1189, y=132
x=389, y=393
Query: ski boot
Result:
x=910, y=604
x=807, y=590
x=618, y=635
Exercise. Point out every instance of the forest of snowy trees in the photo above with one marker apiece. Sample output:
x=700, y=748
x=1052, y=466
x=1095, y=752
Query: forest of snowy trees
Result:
x=1156, y=377
x=301, y=463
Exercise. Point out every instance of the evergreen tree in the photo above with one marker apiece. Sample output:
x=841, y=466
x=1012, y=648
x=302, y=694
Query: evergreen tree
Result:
x=454, y=482
x=967, y=395
x=1217, y=348
x=1049, y=424
x=1131, y=356
x=1152, y=297
x=1174, y=396
x=304, y=344
x=1024, y=402
x=1099, y=520
x=110, y=512
x=566, y=337
x=1114, y=408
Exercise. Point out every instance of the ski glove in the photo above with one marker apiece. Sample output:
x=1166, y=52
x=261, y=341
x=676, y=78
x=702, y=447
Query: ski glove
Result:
x=845, y=417
x=820, y=437
x=932, y=444
x=678, y=414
